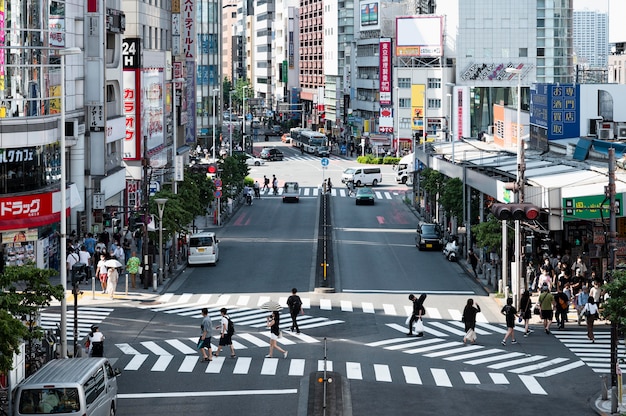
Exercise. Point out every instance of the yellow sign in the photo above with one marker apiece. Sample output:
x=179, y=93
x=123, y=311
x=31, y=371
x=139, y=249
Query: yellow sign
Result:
x=418, y=93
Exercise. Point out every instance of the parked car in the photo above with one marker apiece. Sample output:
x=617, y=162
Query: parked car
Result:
x=429, y=236
x=365, y=196
x=291, y=192
x=271, y=153
x=362, y=176
x=253, y=160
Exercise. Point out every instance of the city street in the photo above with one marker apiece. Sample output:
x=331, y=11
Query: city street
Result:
x=268, y=248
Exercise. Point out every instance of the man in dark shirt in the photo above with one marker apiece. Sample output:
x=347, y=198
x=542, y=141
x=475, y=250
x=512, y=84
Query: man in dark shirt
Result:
x=418, y=311
x=561, y=306
x=295, y=307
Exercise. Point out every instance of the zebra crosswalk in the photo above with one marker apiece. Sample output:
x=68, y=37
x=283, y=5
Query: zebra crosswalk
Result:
x=340, y=192
x=596, y=355
x=86, y=317
x=181, y=356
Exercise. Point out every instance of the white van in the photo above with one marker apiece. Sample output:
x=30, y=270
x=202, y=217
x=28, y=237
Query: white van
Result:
x=203, y=248
x=362, y=176
x=406, y=167
x=75, y=386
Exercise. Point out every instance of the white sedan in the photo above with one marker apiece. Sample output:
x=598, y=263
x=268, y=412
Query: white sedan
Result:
x=253, y=161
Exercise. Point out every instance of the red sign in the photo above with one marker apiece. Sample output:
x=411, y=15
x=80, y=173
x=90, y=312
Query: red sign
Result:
x=27, y=211
x=385, y=72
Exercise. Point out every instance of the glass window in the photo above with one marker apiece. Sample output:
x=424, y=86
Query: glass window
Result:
x=94, y=386
x=29, y=168
x=404, y=82
x=523, y=52
x=49, y=401
x=404, y=103
x=434, y=103
x=434, y=83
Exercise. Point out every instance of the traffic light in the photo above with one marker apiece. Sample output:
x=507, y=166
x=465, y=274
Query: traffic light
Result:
x=211, y=169
x=523, y=211
x=106, y=219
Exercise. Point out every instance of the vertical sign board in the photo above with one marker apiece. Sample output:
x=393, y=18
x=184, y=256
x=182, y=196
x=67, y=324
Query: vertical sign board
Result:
x=417, y=106
x=131, y=60
x=554, y=113
x=385, y=71
x=189, y=53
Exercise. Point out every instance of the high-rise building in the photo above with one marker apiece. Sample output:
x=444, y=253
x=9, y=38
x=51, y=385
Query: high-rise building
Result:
x=591, y=39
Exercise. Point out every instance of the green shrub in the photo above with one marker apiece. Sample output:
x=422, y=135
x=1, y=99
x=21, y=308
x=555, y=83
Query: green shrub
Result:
x=248, y=181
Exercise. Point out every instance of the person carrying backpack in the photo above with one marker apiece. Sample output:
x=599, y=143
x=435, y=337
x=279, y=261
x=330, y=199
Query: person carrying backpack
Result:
x=227, y=329
x=295, y=308
x=510, y=313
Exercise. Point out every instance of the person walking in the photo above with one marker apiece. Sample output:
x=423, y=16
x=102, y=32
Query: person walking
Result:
x=85, y=258
x=275, y=184
x=102, y=271
x=510, y=314
x=525, y=308
x=418, y=311
x=561, y=307
x=132, y=266
x=204, y=343
x=266, y=183
x=295, y=308
x=473, y=259
x=581, y=300
x=225, y=334
x=546, y=303
x=590, y=310
x=112, y=278
x=273, y=323
x=95, y=342
x=469, y=319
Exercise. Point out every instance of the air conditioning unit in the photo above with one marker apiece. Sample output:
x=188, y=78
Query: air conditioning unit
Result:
x=605, y=130
x=620, y=131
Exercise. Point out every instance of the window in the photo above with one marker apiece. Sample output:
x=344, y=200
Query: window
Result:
x=541, y=52
x=404, y=103
x=404, y=82
x=434, y=83
x=94, y=386
x=523, y=52
x=434, y=103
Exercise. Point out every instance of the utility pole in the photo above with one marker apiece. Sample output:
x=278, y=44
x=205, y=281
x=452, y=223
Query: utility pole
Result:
x=612, y=247
x=145, y=198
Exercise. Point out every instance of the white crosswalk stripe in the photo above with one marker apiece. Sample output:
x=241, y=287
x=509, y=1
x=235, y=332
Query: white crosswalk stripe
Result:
x=596, y=355
x=86, y=317
x=337, y=192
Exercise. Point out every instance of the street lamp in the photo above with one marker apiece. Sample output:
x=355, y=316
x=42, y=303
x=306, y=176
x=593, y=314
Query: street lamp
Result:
x=450, y=132
x=215, y=91
x=161, y=207
x=519, y=185
x=398, y=120
x=230, y=122
x=63, y=269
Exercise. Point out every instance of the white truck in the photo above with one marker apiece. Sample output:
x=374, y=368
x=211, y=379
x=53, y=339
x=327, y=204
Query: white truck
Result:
x=405, y=169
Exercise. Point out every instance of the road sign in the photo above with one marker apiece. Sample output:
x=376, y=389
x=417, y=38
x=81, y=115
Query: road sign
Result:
x=218, y=194
x=325, y=161
x=218, y=183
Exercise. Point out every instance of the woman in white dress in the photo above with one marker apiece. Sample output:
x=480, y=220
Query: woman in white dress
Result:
x=112, y=280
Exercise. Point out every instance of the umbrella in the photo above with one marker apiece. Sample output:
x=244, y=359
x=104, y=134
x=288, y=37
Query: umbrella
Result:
x=113, y=263
x=271, y=306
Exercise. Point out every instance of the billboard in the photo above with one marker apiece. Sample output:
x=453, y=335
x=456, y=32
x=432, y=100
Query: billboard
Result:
x=420, y=36
x=556, y=108
x=417, y=106
x=369, y=16
x=385, y=71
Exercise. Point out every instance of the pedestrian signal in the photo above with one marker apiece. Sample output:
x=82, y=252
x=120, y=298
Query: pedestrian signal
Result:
x=523, y=211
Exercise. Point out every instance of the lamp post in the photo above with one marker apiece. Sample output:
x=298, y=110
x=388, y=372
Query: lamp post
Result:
x=175, y=123
x=230, y=122
x=215, y=90
x=515, y=284
x=450, y=132
x=397, y=115
x=243, y=134
x=63, y=269
x=161, y=207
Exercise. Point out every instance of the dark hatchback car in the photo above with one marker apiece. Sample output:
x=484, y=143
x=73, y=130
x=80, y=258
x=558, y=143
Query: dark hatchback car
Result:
x=365, y=196
x=270, y=153
x=429, y=236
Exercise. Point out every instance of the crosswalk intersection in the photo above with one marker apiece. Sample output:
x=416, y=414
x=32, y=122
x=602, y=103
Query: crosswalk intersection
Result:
x=340, y=192
x=596, y=355
x=86, y=317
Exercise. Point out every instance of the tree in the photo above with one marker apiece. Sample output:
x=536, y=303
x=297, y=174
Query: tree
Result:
x=615, y=305
x=451, y=197
x=488, y=234
x=26, y=290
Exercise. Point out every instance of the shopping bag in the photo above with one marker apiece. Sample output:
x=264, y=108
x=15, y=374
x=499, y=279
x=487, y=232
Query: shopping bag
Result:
x=470, y=335
x=408, y=319
x=418, y=326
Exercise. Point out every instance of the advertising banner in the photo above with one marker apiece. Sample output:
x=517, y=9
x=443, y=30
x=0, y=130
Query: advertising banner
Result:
x=417, y=106
x=385, y=71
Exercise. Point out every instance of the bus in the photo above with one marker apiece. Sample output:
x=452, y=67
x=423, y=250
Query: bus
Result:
x=309, y=140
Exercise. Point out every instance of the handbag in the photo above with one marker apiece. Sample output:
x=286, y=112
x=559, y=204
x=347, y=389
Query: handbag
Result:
x=537, y=310
x=419, y=326
x=470, y=335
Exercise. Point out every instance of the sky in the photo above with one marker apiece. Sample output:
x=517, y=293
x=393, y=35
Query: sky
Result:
x=617, y=11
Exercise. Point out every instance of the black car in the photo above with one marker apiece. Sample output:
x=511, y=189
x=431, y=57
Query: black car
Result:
x=271, y=153
x=429, y=236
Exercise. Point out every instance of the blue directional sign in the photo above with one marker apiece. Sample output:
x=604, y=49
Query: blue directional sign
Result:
x=325, y=161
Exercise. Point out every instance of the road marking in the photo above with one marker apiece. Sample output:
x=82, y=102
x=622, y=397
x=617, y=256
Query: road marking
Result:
x=368, y=307
x=296, y=367
x=462, y=325
x=242, y=366
x=353, y=371
x=448, y=328
x=473, y=354
x=453, y=351
x=320, y=365
x=493, y=328
x=243, y=300
x=469, y=377
x=185, y=349
x=188, y=364
x=254, y=340
x=389, y=309
x=346, y=306
x=494, y=358
x=319, y=324
x=127, y=349
x=533, y=358
x=212, y=393
x=414, y=344
x=411, y=375
x=433, y=347
x=223, y=300
x=154, y=348
x=162, y=362
x=382, y=373
x=532, y=385
x=136, y=362
x=262, y=300
x=538, y=365
x=215, y=365
x=441, y=377
x=306, y=338
x=430, y=312
x=386, y=342
x=567, y=367
x=325, y=304
x=269, y=366
x=499, y=378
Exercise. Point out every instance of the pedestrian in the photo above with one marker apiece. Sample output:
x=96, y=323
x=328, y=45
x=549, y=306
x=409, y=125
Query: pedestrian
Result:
x=330, y=186
x=469, y=319
x=266, y=183
x=132, y=266
x=418, y=311
x=510, y=314
x=90, y=244
x=118, y=253
x=546, y=303
x=581, y=301
x=273, y=323
x=525, y=308
x=295, y=308
x=102, y=271
x=473, y=259
x=275, y=184
x=71, y=260
x=225, y=334
x=112, y=277
x=95, y=342
x=561, y=307
x=204, y=343
x=591, y=314
x=257, y=190
x=85, y=258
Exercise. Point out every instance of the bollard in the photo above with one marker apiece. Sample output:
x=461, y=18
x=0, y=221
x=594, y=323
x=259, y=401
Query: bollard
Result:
x=126, y=292
x=605, y=386
x=154, y=282
x=93, y=287
x=500, y=286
